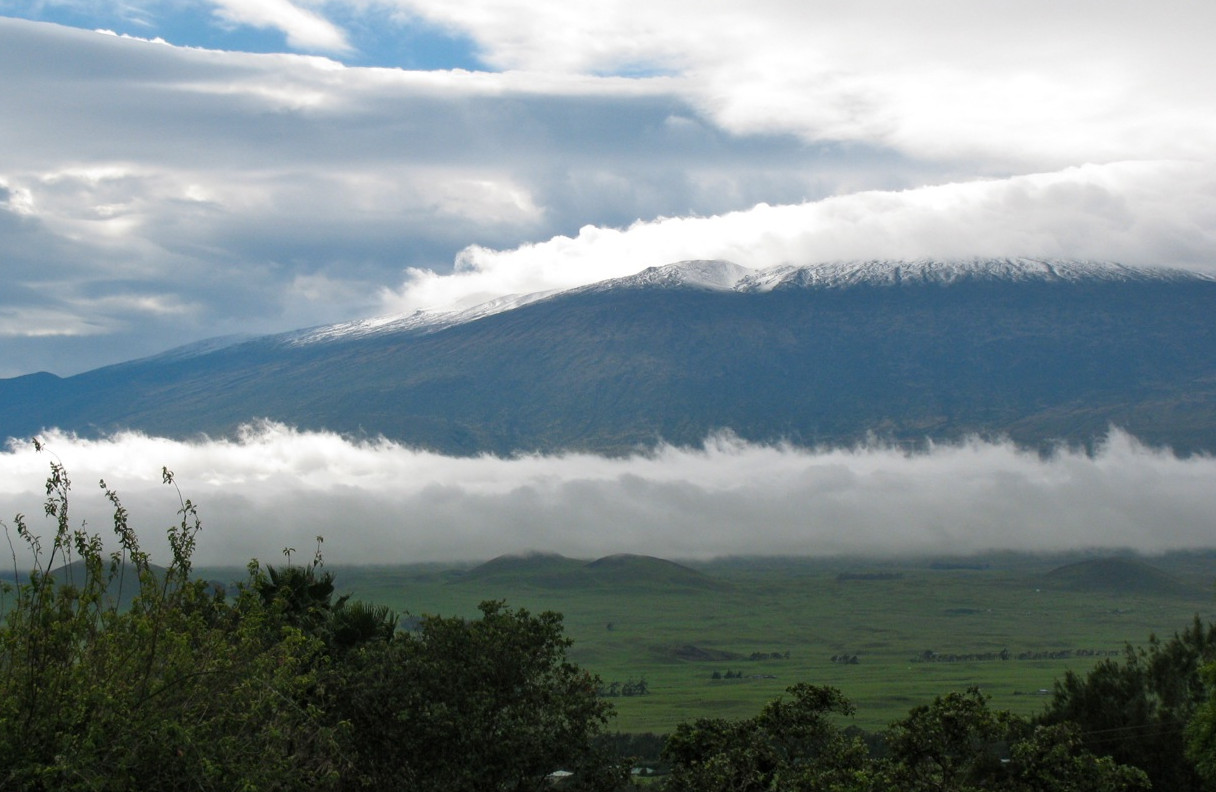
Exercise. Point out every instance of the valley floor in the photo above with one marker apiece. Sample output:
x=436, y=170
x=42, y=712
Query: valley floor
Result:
x=721, y=638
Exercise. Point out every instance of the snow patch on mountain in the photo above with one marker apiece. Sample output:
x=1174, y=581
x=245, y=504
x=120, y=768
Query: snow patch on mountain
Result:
x=844, y=274
x=716, y=275
x=719, y=275
x=196, y=349
x=426, y=321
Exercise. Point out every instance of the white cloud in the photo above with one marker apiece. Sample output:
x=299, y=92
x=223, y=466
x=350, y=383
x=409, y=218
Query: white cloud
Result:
x=1146, y=213
x=107, y=32
x=382, y=502
x=304, y=29
x=1039, y=83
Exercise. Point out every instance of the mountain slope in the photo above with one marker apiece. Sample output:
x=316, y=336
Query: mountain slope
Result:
x=815, y=355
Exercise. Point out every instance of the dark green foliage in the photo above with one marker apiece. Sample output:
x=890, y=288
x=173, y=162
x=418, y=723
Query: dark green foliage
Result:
x=1137, y=710
x=958, y=744
x=954, y=743
x=793, y=744
x=645, y=748
x=179, y=691
x=486, y=704
x=1201, y=731
x=631, y=687
x=357, y=623
x=1054, y=758
x=302, y=595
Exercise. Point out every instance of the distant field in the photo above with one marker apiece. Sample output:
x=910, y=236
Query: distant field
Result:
x=634, y=617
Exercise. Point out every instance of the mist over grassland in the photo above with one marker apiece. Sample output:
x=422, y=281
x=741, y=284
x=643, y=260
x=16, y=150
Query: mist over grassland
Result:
x=382, y=502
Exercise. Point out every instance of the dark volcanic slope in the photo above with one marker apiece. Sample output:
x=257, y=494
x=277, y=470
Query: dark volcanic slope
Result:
x=608, y=369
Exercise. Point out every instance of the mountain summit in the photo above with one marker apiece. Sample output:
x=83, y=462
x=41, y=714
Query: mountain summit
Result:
x=1040, y=351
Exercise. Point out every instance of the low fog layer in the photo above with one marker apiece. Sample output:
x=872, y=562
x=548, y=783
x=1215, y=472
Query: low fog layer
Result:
x=380, y=502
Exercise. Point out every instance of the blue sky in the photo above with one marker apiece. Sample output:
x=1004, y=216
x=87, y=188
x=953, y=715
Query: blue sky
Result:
x=375, y=38
x=172, y=170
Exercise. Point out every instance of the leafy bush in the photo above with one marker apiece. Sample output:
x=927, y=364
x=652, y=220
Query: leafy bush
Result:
x=179, y=688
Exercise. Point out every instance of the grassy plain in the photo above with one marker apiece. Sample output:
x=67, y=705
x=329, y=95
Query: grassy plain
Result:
x=674, y=627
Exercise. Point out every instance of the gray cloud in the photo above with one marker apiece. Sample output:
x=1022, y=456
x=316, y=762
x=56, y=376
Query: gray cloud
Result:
x=380, y=502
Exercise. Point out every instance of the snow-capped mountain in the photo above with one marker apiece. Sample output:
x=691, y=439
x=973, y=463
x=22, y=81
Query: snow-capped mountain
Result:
x=699, y=274
x=821, y=354
x=720, y=275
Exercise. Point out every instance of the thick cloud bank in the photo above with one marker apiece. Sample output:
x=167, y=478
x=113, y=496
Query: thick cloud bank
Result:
x=380, y=502
x=1140, y=213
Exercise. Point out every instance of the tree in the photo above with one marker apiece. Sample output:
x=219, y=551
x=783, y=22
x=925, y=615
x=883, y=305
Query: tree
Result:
x=955, y=743
x=302, y=597
x=1054, y=758
x=483, y=704
x=1137, y=710
x=793, y=744
x=1201, y=731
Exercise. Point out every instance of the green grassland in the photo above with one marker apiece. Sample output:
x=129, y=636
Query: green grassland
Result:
x=634, y=617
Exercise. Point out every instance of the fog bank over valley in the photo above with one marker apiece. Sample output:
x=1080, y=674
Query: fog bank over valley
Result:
x=381, y=502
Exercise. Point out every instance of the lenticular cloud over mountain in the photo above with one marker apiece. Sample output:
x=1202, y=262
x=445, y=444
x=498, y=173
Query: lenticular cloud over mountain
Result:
x=382, y=502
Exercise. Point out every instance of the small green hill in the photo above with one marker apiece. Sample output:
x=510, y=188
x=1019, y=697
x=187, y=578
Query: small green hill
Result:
x=542, y=569
x=550, y=570
x=625, y=569
x=1115, y=575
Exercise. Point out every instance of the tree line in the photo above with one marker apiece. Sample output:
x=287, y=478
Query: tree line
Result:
x=930, y=656
x=631, y=687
